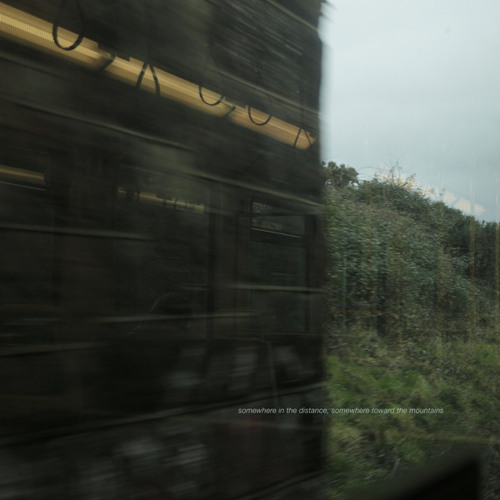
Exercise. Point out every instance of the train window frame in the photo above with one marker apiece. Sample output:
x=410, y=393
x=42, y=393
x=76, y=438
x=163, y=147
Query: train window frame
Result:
x=300, y=240
x=277, y=212
x=144, y=203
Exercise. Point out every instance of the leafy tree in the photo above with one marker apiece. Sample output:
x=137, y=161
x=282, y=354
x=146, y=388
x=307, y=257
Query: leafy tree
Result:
x=339, y=176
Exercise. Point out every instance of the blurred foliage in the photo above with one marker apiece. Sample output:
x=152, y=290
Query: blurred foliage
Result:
x=413, y=319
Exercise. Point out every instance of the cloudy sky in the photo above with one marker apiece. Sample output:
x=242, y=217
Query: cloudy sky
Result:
x=416, y=84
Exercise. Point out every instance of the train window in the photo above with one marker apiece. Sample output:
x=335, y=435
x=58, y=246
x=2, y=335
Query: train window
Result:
x=278, y=267
x=173, y=263
x=277, y=220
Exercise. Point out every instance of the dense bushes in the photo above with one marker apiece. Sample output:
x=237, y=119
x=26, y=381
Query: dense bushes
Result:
x=402, y=264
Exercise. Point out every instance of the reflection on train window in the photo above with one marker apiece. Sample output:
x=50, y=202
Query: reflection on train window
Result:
x=279, y=311
x=278, y=265
x=277, y=220
x=277, y=268
x=170, y=211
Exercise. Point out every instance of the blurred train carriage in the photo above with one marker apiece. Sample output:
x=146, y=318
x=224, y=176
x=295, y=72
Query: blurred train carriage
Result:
x=160, y=252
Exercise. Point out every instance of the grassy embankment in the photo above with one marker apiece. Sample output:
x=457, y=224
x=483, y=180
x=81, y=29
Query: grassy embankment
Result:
x=462, y=379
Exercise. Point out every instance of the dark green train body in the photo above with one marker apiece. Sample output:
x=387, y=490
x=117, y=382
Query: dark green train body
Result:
x=161, y=255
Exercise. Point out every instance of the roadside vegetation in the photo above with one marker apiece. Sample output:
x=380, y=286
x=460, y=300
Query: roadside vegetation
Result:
x=413, y=326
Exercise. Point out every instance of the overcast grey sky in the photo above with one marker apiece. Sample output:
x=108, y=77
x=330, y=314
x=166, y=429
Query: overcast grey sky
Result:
x=416, y=83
